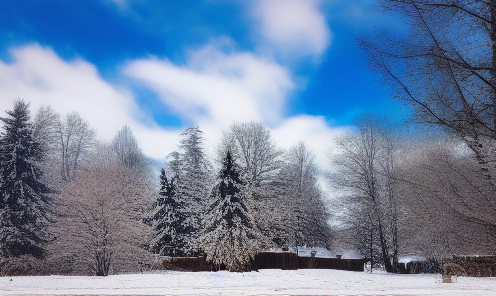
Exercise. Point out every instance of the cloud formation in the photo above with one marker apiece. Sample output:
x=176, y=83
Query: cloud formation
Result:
x=212, y=90
x=40, y=77
x=219, y=88
x=215, y=89
x=296, y=28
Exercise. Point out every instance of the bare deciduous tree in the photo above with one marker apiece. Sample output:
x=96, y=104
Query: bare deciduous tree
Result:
x=364, y=165
x=99, y=227
x=252, y=145
x=64, y=143
x=307, y=217
x=46, y=125
x=445, y=68
x=76, y=138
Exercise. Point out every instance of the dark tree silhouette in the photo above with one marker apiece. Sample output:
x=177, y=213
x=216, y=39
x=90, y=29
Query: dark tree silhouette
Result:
x=168, y=220
x=230, y=236
x=24, y=201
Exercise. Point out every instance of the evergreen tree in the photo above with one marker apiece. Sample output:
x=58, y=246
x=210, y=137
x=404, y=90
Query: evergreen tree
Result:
x=168, y=220
x=24, y=198
x=230, y=236
x=192, y=185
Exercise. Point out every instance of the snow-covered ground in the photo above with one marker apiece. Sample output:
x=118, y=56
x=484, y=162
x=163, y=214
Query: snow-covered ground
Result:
x=265, y=282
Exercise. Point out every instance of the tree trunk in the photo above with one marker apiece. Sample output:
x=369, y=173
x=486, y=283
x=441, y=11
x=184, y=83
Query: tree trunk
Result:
x=384, y=249
x=371, y=249
x=103, y=259
x=493, y=57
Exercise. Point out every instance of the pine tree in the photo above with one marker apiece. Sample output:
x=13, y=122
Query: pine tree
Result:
x=192, y=185
x=24, y=198
x=168, y=220
x=230, y=237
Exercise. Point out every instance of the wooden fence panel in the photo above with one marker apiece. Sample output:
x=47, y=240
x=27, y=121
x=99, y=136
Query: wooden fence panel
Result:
x=270, y=260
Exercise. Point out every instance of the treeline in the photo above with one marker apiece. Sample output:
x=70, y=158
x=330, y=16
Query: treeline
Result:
x=442, y=191
x=71, y=204
x=401, y=195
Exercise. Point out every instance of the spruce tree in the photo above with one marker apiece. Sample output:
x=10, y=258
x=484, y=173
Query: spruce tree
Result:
x=230, y=237
x=24, y=198
x=168, y=220
x=192, y=186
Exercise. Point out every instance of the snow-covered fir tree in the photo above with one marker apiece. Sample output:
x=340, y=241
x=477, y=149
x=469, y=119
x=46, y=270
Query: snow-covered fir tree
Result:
x=167, y=220
x=259, y=160
x=24, y=200
x=230, y=236
x=192, y=185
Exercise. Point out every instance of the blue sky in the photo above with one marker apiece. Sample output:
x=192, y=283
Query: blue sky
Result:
x=160, y=66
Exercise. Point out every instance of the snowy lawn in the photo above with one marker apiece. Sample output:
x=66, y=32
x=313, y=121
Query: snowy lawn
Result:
x=265, y=282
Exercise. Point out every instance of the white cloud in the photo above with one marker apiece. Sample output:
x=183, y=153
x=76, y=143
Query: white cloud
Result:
x=40, y=77
x=218, y=87
x=296, y=28
x=314, y=131
x=213, y=90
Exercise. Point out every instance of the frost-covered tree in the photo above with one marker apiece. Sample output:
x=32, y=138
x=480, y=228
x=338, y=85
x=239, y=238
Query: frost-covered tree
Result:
x=46, y=127
x=259, y=160
x=24, y=200
x=76, y=139
x=46, y=131
x=192, y=184
x=173, y=164
x=230, y=237
x=447, y=206
x=127, y=149
x=65, y=143
x=365, y=172
x=167, y=220
x=306, y=215
x=252, y=144
x=99, y=226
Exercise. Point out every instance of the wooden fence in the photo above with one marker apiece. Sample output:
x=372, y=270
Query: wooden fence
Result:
x=330, y=263
x=189, y=264
x=413, y=267
x=269, y=260
x=273, y=260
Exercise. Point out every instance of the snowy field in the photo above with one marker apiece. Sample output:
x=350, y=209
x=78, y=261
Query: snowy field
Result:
x=265, y=282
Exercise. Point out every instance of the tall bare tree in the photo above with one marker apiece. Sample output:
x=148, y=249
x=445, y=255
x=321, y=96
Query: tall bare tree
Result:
x=252, y=145
x=364, y=171
x=46, y=126
x=76, y=138
x=445, y=68
x=307, y=217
